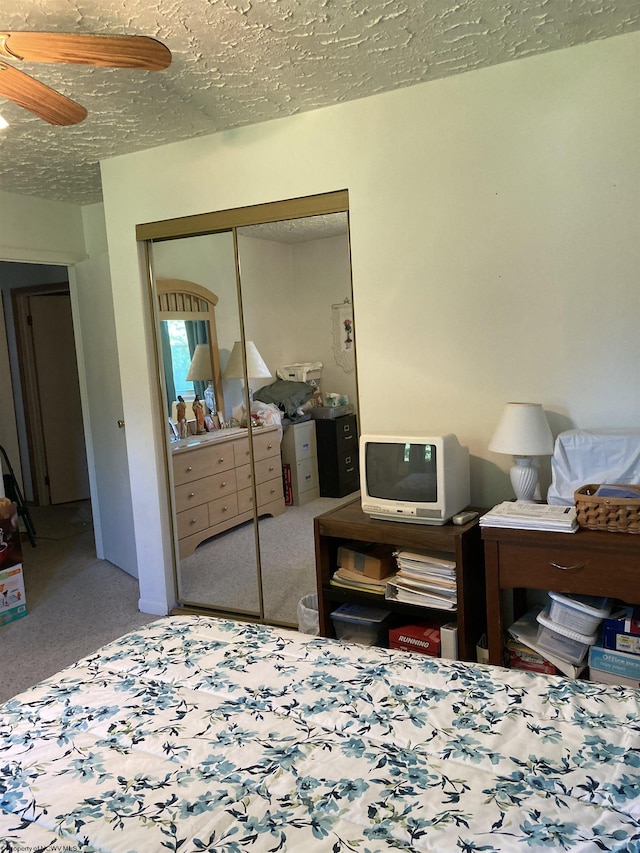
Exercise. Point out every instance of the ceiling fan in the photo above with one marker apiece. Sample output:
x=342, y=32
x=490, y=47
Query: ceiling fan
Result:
x=138, y=52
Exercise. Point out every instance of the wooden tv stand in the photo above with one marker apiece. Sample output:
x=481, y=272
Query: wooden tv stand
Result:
x=348, y=522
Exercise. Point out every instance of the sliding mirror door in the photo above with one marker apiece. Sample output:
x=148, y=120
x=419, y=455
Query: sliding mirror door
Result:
x=273, y=294
x=295, y=277
x=198, y=322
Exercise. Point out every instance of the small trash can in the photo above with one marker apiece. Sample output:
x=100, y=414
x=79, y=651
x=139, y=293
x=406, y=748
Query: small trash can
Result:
x=308, y=616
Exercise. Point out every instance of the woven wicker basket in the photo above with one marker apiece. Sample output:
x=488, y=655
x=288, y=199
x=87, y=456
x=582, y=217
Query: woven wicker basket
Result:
x=618, y=515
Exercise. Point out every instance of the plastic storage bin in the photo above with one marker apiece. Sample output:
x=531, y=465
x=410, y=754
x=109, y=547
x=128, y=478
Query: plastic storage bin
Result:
x=562, y=642
x=581, y=613
x=357, y=624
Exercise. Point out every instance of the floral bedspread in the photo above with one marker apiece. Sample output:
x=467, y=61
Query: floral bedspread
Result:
x=197, y=734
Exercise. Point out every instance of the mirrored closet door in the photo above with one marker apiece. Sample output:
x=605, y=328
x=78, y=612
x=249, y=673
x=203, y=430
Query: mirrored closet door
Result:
x=239, y=298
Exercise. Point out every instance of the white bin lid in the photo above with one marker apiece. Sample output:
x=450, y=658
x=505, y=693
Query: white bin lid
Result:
x=591, y=605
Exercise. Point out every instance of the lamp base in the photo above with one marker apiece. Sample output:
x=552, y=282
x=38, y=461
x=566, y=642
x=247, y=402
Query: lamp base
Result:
x=524, y=478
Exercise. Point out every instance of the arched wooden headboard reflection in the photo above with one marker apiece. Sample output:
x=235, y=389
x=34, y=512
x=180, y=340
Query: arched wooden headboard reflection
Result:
x=179, y=299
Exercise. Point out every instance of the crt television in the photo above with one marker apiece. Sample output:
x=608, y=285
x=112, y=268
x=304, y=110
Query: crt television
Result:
x=416, y=479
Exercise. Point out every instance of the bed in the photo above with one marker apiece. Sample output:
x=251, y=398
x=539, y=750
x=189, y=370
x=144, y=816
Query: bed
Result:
x=195, y=734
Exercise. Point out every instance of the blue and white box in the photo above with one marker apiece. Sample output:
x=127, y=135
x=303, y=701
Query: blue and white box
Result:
x=613, y=667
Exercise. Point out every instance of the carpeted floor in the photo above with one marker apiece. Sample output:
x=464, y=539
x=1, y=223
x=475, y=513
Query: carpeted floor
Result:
x=76, y=603
x=222, y=571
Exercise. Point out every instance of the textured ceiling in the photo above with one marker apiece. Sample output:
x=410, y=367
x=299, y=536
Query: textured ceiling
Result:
x=239, y=62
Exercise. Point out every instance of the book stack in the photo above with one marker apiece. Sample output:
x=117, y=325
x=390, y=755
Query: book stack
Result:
x=365, y=567
x=531, y=516
x=424, y=578
x=352, y=579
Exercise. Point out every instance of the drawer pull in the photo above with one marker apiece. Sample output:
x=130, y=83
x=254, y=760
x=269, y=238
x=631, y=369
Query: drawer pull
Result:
x=225, y=509
x=567, y=568
x=221, y=460
x=223, y=485
x=192, y=494
x=269, y=446
x=271, y=468
x=189, y=469
x=193, y=521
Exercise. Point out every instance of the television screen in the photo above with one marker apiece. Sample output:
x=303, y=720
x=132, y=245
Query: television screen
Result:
x=402, y=471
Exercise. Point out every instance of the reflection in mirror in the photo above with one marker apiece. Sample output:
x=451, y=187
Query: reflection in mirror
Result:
x=262, y=311
x=292, y=273
x=212, y=487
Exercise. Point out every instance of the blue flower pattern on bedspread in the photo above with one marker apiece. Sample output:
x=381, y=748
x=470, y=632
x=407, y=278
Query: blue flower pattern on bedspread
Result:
x=196, y=734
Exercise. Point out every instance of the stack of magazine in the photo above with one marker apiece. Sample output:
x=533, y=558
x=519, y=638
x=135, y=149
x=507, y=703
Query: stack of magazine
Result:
x=424, y=578
x=531, y=516
x=350, y=579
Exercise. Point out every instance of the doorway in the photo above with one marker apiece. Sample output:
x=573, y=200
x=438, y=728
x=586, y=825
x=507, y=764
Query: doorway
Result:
x=45, y=344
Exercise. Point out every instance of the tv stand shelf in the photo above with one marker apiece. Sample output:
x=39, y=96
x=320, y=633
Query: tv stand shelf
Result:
x=348, y=522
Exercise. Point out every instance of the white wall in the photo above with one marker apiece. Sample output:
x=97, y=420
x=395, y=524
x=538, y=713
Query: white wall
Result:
x=494, y=239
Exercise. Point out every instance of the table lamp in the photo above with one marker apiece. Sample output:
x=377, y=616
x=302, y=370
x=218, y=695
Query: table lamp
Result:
x=256, y=367
x=524, y=432
x=201, y=370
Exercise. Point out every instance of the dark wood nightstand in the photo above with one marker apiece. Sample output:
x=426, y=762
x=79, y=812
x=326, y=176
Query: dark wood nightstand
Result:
x=587, y=562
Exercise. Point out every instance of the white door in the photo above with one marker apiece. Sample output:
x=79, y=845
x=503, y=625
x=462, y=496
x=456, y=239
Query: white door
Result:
x=99, y=369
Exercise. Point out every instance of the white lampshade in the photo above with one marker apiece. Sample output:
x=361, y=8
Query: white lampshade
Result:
x=256, y=367
x=200, y=369
x=523, y=431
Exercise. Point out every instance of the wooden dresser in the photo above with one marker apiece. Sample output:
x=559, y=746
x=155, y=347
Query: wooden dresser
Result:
x=213, y=482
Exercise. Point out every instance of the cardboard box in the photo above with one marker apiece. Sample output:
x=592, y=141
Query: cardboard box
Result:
x=607, y=663
x=371, y=560
x=611, y=678
x=522, y=657
x=424, y=639
x=621, y=632
x=13, y=603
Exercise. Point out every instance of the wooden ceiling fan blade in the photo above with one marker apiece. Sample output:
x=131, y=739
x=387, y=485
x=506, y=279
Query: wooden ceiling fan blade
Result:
x=139, y=52
x=39, y=99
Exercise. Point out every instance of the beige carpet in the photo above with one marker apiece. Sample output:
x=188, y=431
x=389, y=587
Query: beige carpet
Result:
x=75, y=602
x=222, y=571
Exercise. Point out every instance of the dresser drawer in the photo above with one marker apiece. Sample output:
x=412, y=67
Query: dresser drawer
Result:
x=568, y=569
x=192, y=520
x=271, y=491
x=268, y=469
x=222, y=509
x=207, y=489
x=265, y=444
x=243, y=477
x=202, y=462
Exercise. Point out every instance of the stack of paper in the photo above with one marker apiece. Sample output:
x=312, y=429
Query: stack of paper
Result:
x=531, y=516
x=424, y=578
x=350, y=579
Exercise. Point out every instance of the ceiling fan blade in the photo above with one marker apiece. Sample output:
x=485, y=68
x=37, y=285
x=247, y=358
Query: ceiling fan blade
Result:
x=39, y=99
x=85, y=49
